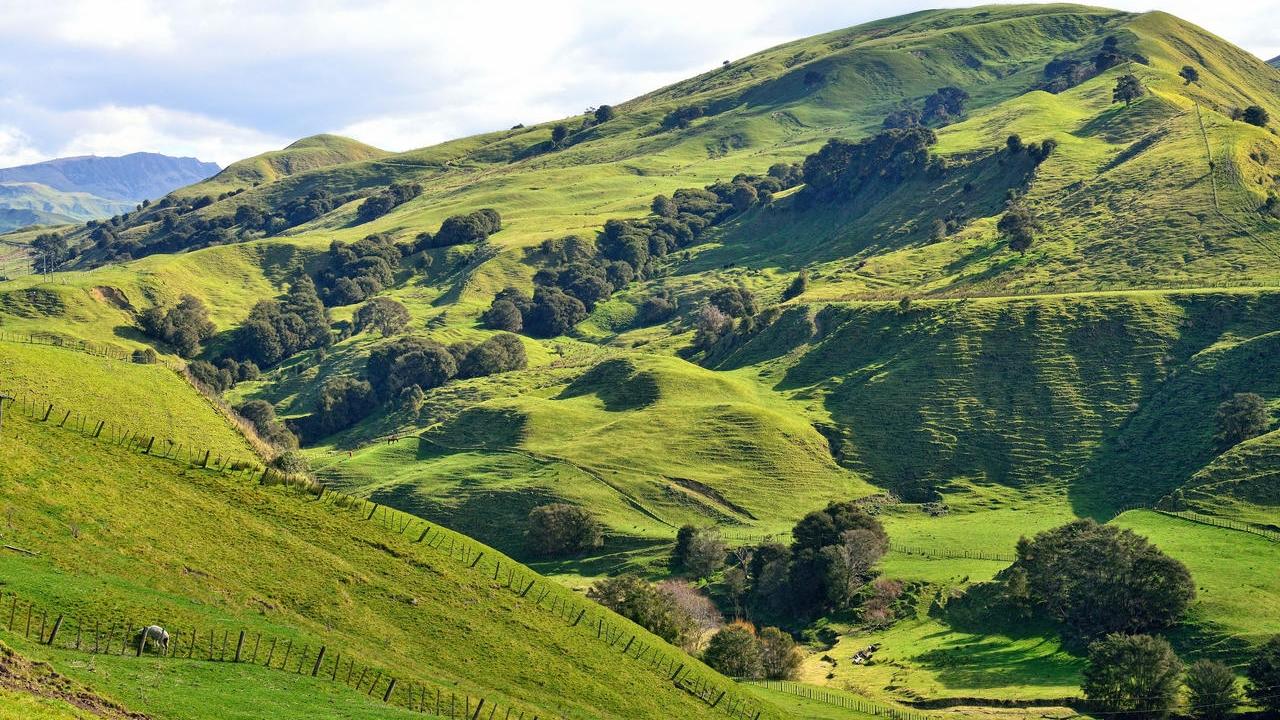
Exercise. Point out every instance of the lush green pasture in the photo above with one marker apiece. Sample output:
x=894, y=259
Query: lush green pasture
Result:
x=141, y=539
x=147, y=399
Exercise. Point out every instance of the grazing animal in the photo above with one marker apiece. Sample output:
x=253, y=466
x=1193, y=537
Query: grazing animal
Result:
x=155, y=635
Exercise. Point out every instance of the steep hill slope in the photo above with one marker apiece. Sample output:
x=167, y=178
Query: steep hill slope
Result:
x=131, y=178
x=119, y=536
x=311, y=153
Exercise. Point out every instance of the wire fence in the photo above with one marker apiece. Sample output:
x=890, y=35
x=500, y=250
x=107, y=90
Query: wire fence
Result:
x=848, y=702
x=116, y=636
x=113, y=352
x=580, y=615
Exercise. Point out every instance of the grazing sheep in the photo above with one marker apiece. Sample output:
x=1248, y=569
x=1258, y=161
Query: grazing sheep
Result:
x=155, y=635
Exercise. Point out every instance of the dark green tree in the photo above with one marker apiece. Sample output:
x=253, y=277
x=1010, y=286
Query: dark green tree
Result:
x=558, y=530
x=605, y=113
x=1189, y=74
x=646, y=605
x=1256, y=115
x=1097, y=579
x=559, y=134
x=1128, y=88
x=1263, y=673
x=1242, y=417
x=1018, y=226
x=382, y=314
x=1137, y=675
x=1211, y=690
x=735, y=652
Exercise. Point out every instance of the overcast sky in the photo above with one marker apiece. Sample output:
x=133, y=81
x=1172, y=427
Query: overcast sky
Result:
x=225, y=79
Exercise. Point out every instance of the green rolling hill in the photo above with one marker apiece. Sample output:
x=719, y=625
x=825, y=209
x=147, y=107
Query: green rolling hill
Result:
x=981, y=392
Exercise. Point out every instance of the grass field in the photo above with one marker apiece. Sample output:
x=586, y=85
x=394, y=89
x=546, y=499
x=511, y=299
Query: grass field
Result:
x=1015, y=391
x=110, y=542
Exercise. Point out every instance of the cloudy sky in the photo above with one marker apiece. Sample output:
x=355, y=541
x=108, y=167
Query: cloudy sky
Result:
x=224, y=79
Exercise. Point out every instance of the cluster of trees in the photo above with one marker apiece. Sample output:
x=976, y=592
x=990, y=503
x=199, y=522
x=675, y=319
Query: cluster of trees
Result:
x=1018, y=226
x=1065, y=72
x=402, y=370
x=1140, y=676
x=561, y=530
x=262, y=415
x=1097, y=579
x=184, y=326
x=50, y=250
x=698, y=552
x=581, y=273
x=277, y=329
x=737, y=651
x=224, y=375
x=382, y=314
x=944, y=106
x=717, y=316
x=1239, y=418
x=842, y=169
x=678, y=613
x=826, y=568
x=1038, y=152
x=682, y=117
x=466, y=229
x=360, y=269
x=386, y=200
x=1254, y=115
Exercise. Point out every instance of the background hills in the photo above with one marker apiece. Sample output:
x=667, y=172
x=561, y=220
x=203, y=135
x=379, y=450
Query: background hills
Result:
x=980, y=393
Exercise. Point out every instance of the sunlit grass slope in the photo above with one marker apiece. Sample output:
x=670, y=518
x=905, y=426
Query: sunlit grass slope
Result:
x=135, y=537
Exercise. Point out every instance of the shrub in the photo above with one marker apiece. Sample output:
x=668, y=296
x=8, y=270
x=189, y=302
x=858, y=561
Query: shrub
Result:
x=409, y=361
x=682, y=117
x=1189, y=74
x=184, y=326
x=553, y=312
x=1014, y=144
x=734, y=301
x=503, y=315
x=466, y=229
x=780, y=658
x=343, y=402
x=605, y=113
x=292, y=462
x=1019, y=227
x=1256, y=115
x=145, y=356
x=1133, y=674
x=1242, y=417
x=1211, y=690
x=647, y=606
x=699, y=551
x=1264, y=676
x=382, y=314
x=501, y=353
x=384, y=201
x=797, y=287
x=214, y=378
x=1098, y=579
x=656, y=309
x=559, y=529
x=734, y=651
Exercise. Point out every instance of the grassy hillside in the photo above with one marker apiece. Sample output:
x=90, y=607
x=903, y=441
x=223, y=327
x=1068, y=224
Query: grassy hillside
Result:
x=122, y=535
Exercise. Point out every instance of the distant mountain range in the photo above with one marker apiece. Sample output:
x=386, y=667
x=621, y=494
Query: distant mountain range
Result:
x=75, y=189
x=1274, y=62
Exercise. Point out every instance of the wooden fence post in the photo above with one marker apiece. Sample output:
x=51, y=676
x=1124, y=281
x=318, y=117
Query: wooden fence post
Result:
x=315, y=669
x=239, y=646
x=57, y=625
x=142, y=641
x=387, y=695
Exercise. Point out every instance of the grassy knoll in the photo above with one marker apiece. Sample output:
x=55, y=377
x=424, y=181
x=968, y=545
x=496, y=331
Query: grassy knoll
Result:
x=141, y=538
x=148, y=399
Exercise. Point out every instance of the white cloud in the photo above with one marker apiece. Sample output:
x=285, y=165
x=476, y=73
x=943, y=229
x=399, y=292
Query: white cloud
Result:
x=16, y=148
x=220, y=79
x=115, y=130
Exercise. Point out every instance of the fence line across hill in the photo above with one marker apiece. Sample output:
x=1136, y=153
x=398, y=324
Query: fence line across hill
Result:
x=655, y=656
x=844, y=701
x=112, y=352
x=96, y=635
